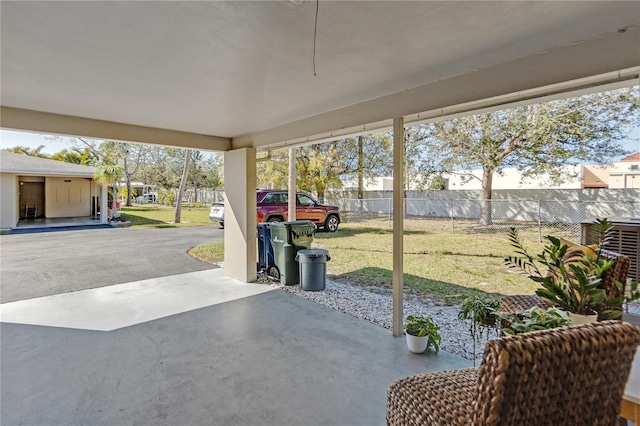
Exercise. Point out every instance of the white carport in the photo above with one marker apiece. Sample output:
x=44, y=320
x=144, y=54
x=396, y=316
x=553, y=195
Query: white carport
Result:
x=237, y=76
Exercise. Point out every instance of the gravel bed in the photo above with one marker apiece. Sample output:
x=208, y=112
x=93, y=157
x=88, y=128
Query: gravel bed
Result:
x=374, y=304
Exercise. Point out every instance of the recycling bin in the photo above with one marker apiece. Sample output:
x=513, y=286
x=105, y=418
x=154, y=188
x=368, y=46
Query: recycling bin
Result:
x=265, y=248
x=287, y=239
x=313, y=268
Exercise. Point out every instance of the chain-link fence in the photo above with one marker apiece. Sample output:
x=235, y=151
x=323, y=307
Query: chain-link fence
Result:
x=542, y=217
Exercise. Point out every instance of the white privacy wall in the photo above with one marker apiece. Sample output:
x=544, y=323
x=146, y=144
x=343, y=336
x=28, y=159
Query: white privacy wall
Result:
x=8, y=200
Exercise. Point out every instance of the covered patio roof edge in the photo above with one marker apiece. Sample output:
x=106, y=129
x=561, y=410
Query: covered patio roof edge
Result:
x=44, y=122
x=565, y=69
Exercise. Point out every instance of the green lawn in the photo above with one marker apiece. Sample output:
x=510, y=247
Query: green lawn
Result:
x=156, y=216
x=437, y=264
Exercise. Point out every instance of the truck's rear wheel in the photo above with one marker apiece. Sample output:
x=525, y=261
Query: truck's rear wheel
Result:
x=331, y=224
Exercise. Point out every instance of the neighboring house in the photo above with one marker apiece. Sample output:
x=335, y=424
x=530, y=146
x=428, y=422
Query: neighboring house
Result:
x=595, y=177
x=143, y=193
x=33, y=187
x=374, y=184
x=511, y=178
x=626, y=173
x=622, y=175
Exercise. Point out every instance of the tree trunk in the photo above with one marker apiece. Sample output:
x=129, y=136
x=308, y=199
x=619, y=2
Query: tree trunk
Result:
x=360, y=172
x=485, y=203
x=128, y=177
x=116, y=196
x=183, y=185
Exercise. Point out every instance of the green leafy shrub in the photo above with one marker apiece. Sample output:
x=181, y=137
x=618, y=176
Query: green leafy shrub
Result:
x=482, y=311
x=534, y=319
x=570, y=282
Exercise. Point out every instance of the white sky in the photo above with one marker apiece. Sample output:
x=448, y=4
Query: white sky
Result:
x=9, y=139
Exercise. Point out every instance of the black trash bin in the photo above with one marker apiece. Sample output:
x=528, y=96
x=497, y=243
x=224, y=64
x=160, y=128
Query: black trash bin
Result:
x=288, y=238
x=313, y=269
x=266, y=259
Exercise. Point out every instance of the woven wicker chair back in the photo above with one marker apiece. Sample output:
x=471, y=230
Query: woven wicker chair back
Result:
x=566, y=376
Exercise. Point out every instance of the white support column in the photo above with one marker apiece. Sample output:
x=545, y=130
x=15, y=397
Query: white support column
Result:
x=398, y=223
x=104, y=206
x=292, y=184
x=240, y=214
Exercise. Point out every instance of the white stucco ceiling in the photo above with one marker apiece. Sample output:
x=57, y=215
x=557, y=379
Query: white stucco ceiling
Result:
x=237, y=69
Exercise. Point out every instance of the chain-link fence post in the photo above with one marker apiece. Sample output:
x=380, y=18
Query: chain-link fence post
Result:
x=539, y=223
x=451, y=214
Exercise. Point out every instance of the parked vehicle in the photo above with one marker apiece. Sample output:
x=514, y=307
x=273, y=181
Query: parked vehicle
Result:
x=216, y=214
x=272, y=206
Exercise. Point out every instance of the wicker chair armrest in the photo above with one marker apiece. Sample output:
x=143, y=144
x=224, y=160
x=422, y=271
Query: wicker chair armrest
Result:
x=444, y=398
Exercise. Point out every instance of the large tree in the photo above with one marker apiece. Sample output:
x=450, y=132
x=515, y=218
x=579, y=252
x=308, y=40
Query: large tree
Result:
x=539, y=139
x=319, y=166
x=77, y=155
x=183, y=185
x=367, y=157
x=33, y=152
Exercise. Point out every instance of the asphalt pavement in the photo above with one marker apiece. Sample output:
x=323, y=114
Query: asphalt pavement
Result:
x=44, y=264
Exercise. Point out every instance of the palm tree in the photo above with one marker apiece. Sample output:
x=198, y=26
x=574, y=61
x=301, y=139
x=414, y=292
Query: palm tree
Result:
x=110, y=174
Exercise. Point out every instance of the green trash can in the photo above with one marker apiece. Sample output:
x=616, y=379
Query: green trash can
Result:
x=313, y=268
x=288, y=238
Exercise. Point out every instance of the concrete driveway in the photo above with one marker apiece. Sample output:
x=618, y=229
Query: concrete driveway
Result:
x=43, y=264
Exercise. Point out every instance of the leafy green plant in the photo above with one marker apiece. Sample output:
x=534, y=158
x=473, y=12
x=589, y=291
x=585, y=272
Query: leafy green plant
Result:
x=482, y=311
x=573, y=286
x=534, y=319
x=632, y=293
x=420, y=326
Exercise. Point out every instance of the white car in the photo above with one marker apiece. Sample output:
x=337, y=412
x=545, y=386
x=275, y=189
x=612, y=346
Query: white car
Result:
x=216, y=214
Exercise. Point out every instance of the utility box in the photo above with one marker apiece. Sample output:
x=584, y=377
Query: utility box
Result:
x=623, y=237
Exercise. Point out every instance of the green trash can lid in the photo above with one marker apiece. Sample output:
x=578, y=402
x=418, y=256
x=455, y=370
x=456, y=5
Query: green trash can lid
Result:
x=300, y=223
x=293, y=224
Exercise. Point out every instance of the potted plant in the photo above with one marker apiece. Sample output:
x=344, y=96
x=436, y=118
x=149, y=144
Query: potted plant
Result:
x=534, y=319
x=422, y=333
x=482, y=311
x=571, y=279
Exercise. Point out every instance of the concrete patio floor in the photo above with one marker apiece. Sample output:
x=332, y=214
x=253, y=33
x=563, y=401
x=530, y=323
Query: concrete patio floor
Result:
x=196, y=349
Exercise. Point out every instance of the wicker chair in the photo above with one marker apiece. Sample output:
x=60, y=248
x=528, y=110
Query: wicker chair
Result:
x=618, y=272
x=564, y=376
